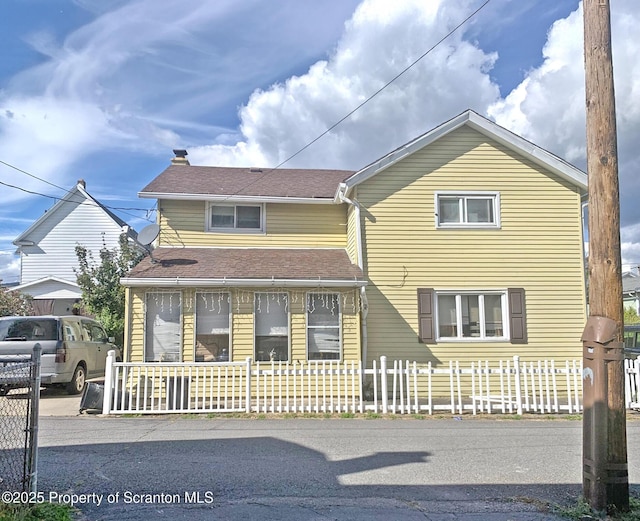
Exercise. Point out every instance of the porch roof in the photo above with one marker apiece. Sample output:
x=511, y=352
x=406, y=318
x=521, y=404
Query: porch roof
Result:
x=308, y=267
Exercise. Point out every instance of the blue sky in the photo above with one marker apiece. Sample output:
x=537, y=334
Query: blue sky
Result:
x=104, y=89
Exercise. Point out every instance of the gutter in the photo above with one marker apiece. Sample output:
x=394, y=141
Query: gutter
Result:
x=250, y=199
x=165, y=282
x=342, y=190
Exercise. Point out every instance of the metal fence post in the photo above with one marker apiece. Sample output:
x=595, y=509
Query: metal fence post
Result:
x=383, y=384
x=516, y=365
x=248, y=387
x=108, y=382
x=35, y=412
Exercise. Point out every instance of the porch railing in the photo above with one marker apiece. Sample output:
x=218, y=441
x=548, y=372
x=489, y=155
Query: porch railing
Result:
x=399, y=387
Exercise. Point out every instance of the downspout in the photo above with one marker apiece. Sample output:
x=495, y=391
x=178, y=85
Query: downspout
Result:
x=359, y=251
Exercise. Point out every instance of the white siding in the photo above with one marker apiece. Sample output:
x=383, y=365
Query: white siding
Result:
x=57, y=236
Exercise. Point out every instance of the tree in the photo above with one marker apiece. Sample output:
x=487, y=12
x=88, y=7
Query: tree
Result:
x=14, y=303
x=631, y=316
x=102, y=294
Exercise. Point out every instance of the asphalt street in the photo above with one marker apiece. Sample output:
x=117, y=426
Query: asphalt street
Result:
x=197, y=468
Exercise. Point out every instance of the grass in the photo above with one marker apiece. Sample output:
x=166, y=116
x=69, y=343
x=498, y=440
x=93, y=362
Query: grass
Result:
x=39, y=512
x=581, y=511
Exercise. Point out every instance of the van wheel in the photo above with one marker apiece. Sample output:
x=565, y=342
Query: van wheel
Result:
x=76, y=385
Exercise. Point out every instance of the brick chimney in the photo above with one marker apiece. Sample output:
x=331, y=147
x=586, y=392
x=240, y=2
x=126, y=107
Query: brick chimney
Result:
x=181, y=158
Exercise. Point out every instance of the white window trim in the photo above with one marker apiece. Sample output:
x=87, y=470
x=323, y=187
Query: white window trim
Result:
x=267, y=292
x=235, y=230
x=195, y=323
x=495, y=196
x=481, y=293
x=307, y=326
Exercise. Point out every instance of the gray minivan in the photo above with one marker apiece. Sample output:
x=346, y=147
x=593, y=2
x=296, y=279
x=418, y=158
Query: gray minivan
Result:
x=74, y=348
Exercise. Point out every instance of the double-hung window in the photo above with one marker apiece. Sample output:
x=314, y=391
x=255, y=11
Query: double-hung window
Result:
x=271, y=325
x=163, y=329
x=236, y=218
x=467, y=210
x=471, y=315
x=212, y=327
x=323, y=326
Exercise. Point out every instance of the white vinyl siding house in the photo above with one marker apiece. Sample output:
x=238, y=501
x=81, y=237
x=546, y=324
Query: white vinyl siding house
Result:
x=47, y=248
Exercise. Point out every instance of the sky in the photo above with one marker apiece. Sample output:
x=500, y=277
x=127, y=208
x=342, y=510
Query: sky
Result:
x=103, y=90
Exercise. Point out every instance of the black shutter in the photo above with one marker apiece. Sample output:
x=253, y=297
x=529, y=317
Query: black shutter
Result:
x=426, y=329
x=517, y=315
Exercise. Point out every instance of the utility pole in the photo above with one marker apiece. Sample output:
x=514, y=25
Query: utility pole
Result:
x=605, y=473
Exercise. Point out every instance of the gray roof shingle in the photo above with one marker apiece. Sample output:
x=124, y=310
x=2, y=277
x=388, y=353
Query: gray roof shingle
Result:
x=248, y=263
x=228, y=181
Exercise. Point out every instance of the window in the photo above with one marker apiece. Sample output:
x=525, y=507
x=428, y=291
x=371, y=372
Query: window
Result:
x=469, y=210
x=235, y=218
x=212, y=327
x=323, y=326
x=472, y=315
x=271, y=325
x=163, y=327
x=465, y=315
x=93, y=332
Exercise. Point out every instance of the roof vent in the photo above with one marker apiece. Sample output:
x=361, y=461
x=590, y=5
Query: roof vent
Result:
x=181, y=157
x=255, y=170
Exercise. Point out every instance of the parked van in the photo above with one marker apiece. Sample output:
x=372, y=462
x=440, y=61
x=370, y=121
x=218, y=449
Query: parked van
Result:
x=74, y=348
x=632, y=341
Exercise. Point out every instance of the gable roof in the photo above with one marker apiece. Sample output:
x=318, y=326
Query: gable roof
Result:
x=306, y=267
x=489, y=129
x=77, y=195
x=51, y=288
x=246, y=184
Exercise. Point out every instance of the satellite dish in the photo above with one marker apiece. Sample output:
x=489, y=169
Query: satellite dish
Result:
x=148, y=234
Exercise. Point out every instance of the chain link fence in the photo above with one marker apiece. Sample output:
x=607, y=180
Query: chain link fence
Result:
x=18, y=421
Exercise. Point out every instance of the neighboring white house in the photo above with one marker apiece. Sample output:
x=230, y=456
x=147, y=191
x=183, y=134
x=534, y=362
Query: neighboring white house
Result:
x=47, y=248
x=631, y=290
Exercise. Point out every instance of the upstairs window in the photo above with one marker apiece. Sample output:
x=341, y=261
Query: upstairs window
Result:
x=235, y=218
x=467, y=210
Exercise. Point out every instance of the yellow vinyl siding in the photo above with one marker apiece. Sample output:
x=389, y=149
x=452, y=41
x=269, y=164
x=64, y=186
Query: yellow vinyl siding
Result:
x=538, y=247
x=183, y=223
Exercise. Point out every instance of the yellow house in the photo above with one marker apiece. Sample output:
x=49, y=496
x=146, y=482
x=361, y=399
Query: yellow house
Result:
x=464, y=244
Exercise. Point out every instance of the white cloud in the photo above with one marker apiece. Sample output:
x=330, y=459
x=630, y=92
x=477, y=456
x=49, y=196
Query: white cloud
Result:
x=9, y=266
x=379, y=42
x=145, y=75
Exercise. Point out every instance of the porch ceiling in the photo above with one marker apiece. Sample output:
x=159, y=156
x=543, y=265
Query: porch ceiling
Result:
x=317, y=266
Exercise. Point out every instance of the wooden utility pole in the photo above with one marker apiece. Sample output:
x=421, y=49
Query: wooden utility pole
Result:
x=605, y=474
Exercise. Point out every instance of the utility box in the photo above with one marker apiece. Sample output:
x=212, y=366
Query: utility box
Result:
x=599, y=350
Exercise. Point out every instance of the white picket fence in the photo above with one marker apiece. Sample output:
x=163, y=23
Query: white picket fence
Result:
x=508, y=387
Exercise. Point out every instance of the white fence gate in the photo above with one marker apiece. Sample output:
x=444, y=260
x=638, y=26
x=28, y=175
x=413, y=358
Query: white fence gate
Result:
x=402, y=387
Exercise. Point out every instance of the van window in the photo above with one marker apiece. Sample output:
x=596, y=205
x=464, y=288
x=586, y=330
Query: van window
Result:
x=71, y=331
x=28, y=329
x=93, y=332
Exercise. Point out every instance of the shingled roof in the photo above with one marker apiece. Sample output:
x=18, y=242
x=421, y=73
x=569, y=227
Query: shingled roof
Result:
x=245, y=266
x=186, y=180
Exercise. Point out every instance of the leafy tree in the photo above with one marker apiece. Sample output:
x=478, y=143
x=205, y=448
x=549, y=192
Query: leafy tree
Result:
x=631, y=316
x=14, y=303
x=102, y=294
